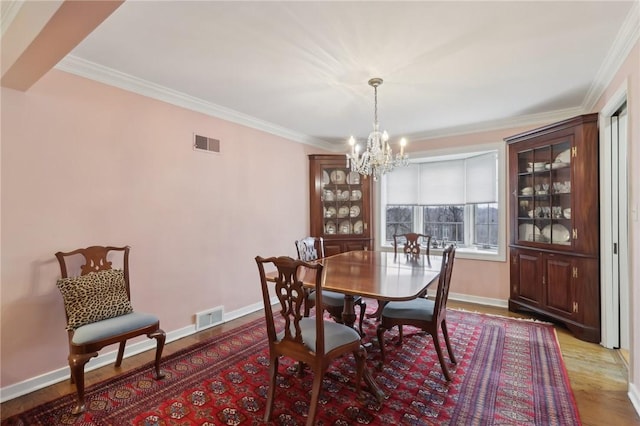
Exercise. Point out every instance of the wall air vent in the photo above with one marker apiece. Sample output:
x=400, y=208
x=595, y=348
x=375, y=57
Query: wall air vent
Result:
x=203, y=143
x=209, y=318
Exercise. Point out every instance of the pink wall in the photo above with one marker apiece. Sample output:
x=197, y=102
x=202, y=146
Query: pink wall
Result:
x=84, y=163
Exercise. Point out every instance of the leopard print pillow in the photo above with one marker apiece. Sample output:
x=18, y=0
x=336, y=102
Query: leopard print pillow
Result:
x=93, y=297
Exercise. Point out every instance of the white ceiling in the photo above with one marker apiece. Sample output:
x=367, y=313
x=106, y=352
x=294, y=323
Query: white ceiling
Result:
x=304, y=66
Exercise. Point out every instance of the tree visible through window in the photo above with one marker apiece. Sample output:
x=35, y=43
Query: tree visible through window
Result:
x=444, y=223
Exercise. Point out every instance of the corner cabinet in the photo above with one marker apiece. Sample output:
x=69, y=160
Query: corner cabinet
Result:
x=340, y=205
x=554, y=224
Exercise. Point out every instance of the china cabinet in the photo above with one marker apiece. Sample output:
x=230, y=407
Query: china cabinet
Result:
x=554, y=224
x=340, y=205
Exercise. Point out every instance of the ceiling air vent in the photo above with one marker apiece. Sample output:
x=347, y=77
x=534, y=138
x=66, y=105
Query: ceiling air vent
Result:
x=203, y=143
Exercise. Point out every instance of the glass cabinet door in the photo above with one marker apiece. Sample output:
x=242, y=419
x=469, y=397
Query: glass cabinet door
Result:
x=544, y=194
x=342, y=202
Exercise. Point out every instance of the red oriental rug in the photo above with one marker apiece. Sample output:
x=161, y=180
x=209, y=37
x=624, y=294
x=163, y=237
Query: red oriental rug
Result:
x=509, y=372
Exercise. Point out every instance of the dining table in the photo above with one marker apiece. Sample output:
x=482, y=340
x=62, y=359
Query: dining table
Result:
x=380, y=275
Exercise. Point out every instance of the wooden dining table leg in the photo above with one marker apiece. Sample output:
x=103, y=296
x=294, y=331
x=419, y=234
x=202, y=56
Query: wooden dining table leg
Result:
x=349, y=311
x=349, y=318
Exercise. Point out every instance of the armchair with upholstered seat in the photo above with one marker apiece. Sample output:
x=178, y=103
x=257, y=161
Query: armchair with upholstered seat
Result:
x=97, y=302
x=312, y=248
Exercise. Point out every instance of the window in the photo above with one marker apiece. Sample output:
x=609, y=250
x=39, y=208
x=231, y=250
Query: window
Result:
x=454, y=198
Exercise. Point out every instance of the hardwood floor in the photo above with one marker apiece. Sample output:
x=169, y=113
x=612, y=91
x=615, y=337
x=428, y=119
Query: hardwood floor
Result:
x=598, y=376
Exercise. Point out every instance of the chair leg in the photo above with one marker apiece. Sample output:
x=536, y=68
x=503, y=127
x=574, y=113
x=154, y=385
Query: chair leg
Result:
x=400, y=335
x=273, y=373
x=380, y=332
x=160, y=337
x=363, y=310
x=315, y=397
x=76, y=364
x=436, y=342
x=378, y=313
x=361, y=358
x=445, y=333
x=120, y=353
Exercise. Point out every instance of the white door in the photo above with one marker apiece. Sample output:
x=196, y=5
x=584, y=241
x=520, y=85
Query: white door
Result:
x=614, y=225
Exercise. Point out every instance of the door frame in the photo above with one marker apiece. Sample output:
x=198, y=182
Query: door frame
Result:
x=611, y=273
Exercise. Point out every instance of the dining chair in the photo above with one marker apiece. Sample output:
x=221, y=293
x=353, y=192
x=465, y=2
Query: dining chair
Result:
x=412, y=247
x=311, y=341
x=412, y=243
x=425, y=314
x=97, y=304
x=312, y=248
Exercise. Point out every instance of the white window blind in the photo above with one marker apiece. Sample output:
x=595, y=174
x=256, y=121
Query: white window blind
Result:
x=482, y=182
x=404, y=187
x=461, y=181
x=442, y=182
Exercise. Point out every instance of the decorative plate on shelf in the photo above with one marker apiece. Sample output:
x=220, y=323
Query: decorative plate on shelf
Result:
x=343, y=211
x=330, y=227
x=353, y=178
x=354, y=211
x=564, y=157
x=529, y=232
x=325, y=177
x=338, y=176
x=344, y=227
x=358, y=227
x=556, y=233
x=330, y=212
x=356, y=194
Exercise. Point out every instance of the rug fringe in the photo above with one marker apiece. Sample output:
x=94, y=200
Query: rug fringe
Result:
x=502, y=316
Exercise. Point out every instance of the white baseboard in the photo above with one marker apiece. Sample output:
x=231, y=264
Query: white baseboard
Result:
x=634, y=397
x=42, y=381
x=486, y=301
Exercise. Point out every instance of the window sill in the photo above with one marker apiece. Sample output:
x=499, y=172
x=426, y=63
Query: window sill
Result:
x=472, y=253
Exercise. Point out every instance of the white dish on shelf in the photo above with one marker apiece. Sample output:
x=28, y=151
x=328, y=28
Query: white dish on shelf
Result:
x=344, y=227
x=556, y=233
x=527, y=190
x=330, y=212
x=529, y=232
x=356, y=195
x=358, y=227
x=354, y=211
x=556, y=165
x=353, y=178
x=567, y=213
x=325, y=177
x=343, y=212
x=330, y=227
x=338, y=176
x=564, y=157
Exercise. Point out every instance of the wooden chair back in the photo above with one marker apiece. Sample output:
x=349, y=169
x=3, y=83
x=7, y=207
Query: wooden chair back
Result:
x=310, y=248
x=290, y=293
x=88, y=337
x=412, y=243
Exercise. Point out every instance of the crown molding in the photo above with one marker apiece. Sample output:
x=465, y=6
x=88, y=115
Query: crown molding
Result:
x=102, y=74
x=9, y=10
x=626, y=38
x=503, y=123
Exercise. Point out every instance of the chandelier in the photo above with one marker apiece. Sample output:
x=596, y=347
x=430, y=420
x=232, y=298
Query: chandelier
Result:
x=377, y=159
